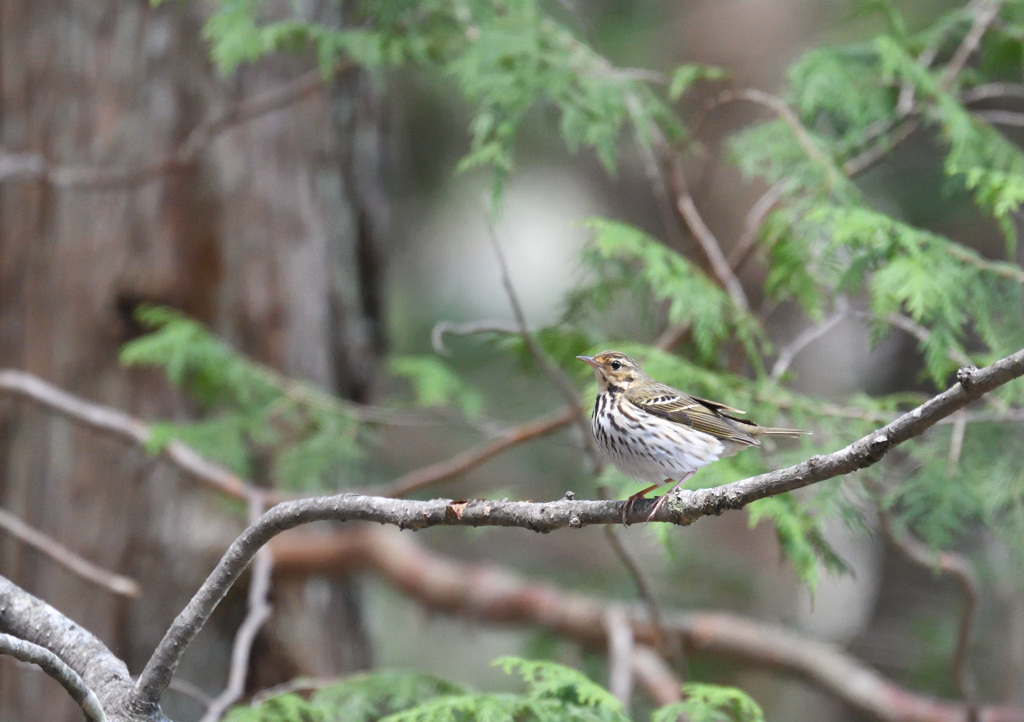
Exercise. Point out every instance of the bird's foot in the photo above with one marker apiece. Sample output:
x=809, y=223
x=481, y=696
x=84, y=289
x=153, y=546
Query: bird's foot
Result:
x=657, y=505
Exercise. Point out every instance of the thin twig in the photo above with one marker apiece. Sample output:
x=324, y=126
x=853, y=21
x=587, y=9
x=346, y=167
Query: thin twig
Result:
x=956, y=439
x=687, y=210
x=115, y=422
x=804, y=339
x=620, y=654
x=747, y=241
x=55, y=667
x=110, y=420
x=871, y=155
x=787, y=116
x=652, y=170
x=74, y=563
x=298, y=684
x=259, y=612
x=664, y=642
x=919, y=332
x=997, y=268
x=472, y=458
x=443, y=328
x=990, y=91
x=655, y=676
x=561, y=382
x=985, y=13
x=962, y=572
x=1001, y=117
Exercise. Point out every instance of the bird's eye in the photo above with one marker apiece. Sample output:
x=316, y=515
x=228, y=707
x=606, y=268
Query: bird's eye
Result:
x=616, y=365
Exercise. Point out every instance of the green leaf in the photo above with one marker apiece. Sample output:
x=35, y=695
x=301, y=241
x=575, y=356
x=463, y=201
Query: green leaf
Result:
x=800, y=537
x=551, y=680
x=436, y=384
x=283, y=708
x=685, y=76
x=626, y=259
x=711, y=703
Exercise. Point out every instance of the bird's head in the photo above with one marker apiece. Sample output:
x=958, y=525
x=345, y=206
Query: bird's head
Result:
x=614, y=370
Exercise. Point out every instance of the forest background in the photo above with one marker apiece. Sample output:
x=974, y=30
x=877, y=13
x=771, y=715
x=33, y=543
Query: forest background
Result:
x=253, y=252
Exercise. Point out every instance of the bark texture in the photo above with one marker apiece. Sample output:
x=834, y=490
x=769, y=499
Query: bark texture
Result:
x=268, y=236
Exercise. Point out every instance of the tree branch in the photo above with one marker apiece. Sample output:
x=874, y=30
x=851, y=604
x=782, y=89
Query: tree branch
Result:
x=664, y=642
x=30, y=619
x=789, y=117
x=56, y=668
x=492, y=594
x=962, y=572
x=259, y=612
x=687, y=209
x=122, y=425
x=442, y=328
x=985, y=14
x=98, y=178
x=119, y=424
x=561, y=382
x=477, y=455
x=76, y=564
x=546, y=516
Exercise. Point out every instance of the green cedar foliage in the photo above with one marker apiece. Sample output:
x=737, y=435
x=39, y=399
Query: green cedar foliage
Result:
x=506, y=57
x=711, y=703
x=250, y=414
x=829, y=239
x=553, y=693
x=826, y=239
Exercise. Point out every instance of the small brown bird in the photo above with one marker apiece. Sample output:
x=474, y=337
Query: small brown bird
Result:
x=658, y=434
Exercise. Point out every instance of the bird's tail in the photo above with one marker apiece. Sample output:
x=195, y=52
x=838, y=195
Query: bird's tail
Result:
x=773, y=431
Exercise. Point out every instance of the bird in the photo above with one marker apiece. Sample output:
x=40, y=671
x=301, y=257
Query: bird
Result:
x=657, y=434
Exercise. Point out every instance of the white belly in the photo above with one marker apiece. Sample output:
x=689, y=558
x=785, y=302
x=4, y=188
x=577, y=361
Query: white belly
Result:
x=655, y=452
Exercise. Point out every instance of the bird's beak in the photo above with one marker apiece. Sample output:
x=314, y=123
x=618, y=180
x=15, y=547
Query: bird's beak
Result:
x=588, y=360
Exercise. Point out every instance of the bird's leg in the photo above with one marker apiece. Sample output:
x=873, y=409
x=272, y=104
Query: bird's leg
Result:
x=631, y=501
x=661, y=500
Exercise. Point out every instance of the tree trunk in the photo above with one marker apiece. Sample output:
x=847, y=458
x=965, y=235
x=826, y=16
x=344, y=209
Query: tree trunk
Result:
x=268, y=237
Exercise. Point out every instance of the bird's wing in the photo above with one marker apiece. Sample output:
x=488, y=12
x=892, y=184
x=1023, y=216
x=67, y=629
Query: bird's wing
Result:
x=702, y=415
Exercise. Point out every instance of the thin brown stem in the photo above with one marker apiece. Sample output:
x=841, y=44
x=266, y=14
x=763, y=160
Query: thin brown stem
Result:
x=787, y=116
x=559, y=379
x=687, y=209
x=747, y=241
x=962, y=572
x=664, y=642
x=119, y=424
x=985, y=12
x=472, y=458
x=74, y=563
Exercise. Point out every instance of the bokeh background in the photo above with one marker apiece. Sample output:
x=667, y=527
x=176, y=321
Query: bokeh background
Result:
x=331, y=233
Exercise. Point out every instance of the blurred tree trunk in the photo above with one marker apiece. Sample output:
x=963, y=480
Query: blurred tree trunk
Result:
x=269, y=237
